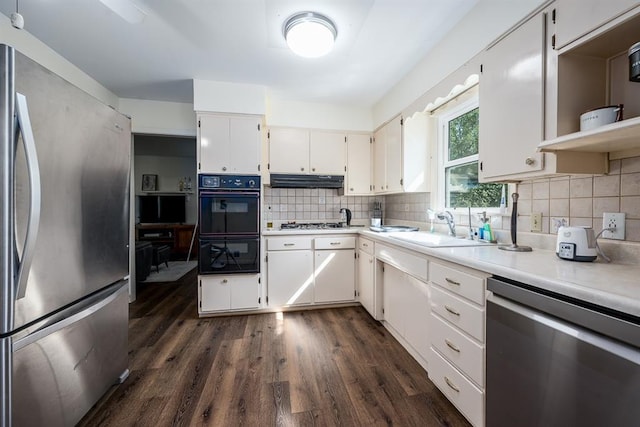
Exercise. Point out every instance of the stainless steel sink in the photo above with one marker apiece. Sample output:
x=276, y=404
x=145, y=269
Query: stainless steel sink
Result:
x=433, y=240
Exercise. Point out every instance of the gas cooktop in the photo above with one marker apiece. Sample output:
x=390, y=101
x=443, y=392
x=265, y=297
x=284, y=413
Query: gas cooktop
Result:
x=310, y=226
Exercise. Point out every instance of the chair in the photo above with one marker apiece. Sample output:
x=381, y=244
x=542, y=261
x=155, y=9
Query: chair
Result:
x=144, y=255
x=161, y=255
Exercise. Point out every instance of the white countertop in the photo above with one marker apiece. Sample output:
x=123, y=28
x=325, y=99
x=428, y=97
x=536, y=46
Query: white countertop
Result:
x=615, y=286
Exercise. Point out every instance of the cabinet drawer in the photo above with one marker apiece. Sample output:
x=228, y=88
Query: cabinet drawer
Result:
x=335, y=242
x=459, y=349
x=288, y=243
x=464, y=315
x=459, y=282
x=366, y=245
x=459, y=390
x=409, y=263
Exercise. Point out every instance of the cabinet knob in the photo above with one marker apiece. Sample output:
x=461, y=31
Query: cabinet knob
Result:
x=224, y=280
x=224, y=168
x=351, y=189
x=302, y=169
x=529, y=161
x=313, y=169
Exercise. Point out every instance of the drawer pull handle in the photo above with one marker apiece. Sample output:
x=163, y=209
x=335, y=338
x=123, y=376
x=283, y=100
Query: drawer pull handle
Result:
x=451, y=310
x=452, y=346
x=365, y=245
x=334, y=243
x=451, y=384
x=451, y=281
x=289, y=244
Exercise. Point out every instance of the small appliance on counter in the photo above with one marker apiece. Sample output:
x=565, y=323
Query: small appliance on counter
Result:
x=576, y=244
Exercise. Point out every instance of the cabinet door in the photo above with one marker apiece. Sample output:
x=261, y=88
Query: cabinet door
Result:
x=395, y=298
x=288, y=150
x=417, y=316
x=290, y=278
x=366, y=285
x=213, y=143
x=358, y=179
x=215, y=293
x=415, y=153
x=327, y=153
x=335, y=275
x=379, y=161
x=245, y=292
x=511, y=103
x=244, y=145
x=394, y=155
x=576, y=18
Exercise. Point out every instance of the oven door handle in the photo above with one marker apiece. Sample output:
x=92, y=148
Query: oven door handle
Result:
x=578, y=332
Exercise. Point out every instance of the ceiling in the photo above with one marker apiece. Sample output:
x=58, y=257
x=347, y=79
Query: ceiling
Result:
x=240, y=41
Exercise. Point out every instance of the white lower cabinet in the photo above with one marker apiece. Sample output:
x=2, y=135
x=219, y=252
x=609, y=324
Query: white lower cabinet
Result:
x=367, y=290
x=303, y=270
x=290, y=277
x=334, y=269
x=228, y=292
x=406, y=299
x=457, y=335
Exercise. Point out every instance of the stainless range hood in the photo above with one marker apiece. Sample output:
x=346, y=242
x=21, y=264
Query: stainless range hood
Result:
x=279, y=180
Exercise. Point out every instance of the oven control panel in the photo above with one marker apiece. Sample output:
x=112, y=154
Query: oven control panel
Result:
x=230, y=182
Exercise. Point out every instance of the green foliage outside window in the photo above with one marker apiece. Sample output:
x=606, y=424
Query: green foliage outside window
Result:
x=463, y=135
x=462, y=184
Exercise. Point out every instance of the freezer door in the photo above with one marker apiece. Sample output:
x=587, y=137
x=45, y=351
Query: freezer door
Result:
x=59, y=373
x=83, y=150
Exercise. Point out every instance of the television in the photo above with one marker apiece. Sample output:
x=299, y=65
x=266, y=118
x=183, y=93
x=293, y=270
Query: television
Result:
x=162, y=209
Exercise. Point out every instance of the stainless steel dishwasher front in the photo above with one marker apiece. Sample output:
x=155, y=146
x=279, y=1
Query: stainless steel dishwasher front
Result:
x=552, y=361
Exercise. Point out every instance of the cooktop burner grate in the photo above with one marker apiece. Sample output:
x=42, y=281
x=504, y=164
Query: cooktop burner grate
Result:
x=310, y=226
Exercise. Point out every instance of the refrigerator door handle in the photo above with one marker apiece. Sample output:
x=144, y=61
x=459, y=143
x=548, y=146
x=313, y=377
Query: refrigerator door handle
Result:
x=33, y=222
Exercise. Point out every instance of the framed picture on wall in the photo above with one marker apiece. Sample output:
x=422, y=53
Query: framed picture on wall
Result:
x=149, y=182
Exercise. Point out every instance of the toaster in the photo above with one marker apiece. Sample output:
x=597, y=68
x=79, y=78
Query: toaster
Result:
x=576, y=244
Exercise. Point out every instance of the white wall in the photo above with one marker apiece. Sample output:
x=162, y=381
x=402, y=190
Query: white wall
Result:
x=159, y=117
x=281, y=112
x=222, y=97
x=485, y=22
x=44, y=55
x=169, y=171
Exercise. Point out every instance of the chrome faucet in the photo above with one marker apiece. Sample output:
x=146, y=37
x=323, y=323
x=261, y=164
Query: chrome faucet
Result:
x=448, y=216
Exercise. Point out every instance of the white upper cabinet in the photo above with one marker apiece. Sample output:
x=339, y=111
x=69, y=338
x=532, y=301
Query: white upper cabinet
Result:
x=288, y=150
x=327, y=153
x=511, y=102
x=302, y=151
x=387, y=167
x=576, y=18
x=359, y=175
x=416, y=175
x=229, y=144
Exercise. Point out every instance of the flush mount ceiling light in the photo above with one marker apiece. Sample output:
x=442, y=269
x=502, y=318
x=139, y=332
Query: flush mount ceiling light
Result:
x=310, y=34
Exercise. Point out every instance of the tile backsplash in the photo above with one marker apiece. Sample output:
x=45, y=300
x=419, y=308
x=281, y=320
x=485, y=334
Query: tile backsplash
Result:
x=580, y=199
x=583, y=199
x=315, y=204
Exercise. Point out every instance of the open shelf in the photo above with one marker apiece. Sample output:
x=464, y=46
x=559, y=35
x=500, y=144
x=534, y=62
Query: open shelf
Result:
x=619, y=136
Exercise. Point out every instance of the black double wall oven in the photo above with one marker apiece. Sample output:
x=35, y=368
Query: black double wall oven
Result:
x=229, y=224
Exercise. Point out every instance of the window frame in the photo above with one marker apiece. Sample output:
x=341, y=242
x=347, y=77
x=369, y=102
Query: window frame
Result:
x=443, y=119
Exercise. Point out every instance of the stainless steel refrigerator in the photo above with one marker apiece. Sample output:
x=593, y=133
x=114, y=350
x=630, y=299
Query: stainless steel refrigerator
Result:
x=64, y=252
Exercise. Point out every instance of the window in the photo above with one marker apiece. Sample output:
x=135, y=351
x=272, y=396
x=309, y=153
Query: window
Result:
x=458, y=135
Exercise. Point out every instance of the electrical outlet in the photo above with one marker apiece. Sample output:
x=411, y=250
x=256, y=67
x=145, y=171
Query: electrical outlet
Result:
x=536, y=221
x=557, y=222
x=615, y=221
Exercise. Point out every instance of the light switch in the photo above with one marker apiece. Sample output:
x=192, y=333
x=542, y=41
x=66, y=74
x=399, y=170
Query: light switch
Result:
x=536, y=221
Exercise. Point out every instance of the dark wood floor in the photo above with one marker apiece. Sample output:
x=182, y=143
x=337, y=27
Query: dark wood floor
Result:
x=323, y=367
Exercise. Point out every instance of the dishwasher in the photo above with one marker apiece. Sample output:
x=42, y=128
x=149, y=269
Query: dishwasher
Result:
x=553, y=360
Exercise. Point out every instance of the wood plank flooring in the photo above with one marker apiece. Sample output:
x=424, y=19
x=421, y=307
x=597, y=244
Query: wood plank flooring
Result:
x=325, y=367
